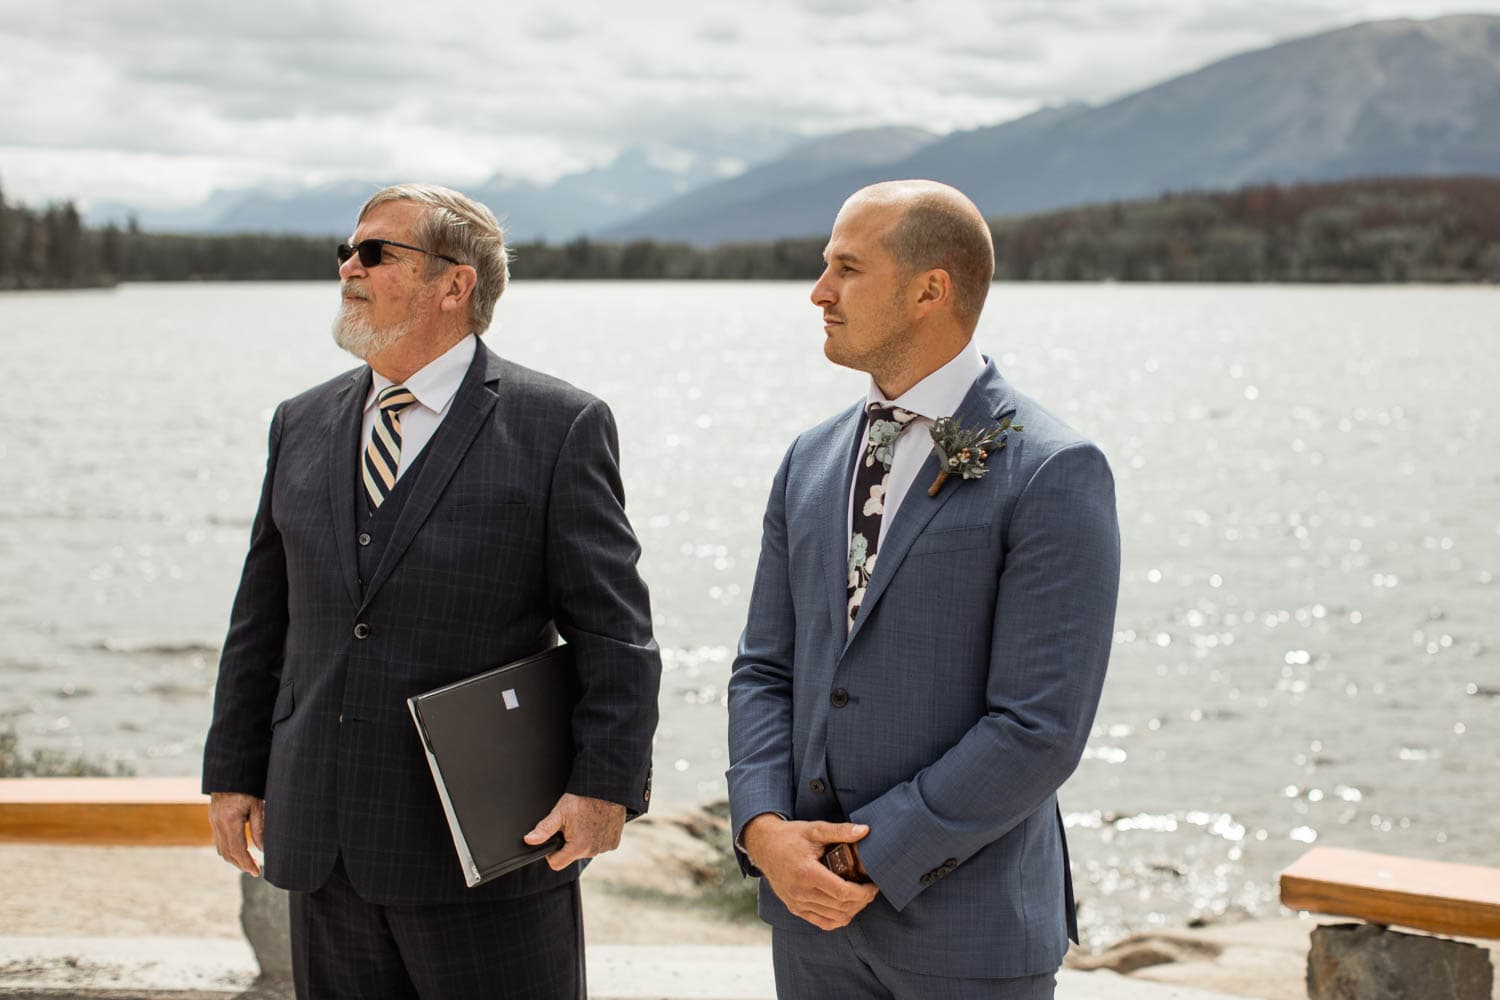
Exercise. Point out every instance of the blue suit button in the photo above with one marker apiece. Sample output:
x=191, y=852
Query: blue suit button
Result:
x=839, y=697
x=364, y=538
x=361, y=631
x=817, y=785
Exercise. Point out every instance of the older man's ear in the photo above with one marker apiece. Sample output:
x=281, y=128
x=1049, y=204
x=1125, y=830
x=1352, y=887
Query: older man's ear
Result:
x=459, y=290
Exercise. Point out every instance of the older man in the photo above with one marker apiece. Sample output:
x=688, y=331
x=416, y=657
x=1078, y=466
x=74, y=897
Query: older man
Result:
x=924, y=652
x=435, y=512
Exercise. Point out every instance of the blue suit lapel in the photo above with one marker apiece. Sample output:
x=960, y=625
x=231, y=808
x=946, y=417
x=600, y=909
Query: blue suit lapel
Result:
x=343, y=472
x=987, y=400
x=471, y=406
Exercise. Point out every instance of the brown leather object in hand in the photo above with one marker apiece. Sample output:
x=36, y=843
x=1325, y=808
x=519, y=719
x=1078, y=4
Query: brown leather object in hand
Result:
x=843, y=861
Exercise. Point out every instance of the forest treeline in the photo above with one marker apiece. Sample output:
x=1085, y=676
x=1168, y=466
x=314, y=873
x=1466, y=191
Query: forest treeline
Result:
x=1395, y=230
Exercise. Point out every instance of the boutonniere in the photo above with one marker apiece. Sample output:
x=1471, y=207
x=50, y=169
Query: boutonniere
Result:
x=962, y=452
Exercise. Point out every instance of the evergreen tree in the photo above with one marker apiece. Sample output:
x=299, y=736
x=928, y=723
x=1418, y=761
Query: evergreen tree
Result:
x=31, y=260
x=7, y=279
x=112, y=253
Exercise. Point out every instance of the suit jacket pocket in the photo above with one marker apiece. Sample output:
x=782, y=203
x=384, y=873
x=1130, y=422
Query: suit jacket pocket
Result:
x=974, y=536
x=500, y=497
x=285, y=702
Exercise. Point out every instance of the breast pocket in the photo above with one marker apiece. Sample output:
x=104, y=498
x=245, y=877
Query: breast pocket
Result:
x=487, y=522
x=960, y=539
x=465, y=503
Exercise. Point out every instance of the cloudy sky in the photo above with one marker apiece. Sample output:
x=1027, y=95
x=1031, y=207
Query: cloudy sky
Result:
x=160, y=103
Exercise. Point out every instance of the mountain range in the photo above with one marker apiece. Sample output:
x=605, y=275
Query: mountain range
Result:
x=575, y=203
x=1395, y=97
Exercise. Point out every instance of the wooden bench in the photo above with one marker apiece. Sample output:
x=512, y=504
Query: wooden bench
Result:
x=142, y=812
x=1356, y=961
x=150, y=812
x=1434, y=896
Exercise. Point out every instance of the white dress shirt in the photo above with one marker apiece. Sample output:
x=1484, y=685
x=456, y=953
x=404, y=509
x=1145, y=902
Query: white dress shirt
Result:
x=937, y=395
x=434, y=386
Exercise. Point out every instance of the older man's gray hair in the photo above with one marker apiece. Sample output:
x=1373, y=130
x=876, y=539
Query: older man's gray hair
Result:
x=457, y=226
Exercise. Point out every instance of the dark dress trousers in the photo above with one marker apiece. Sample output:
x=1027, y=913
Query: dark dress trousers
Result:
x=508, y=529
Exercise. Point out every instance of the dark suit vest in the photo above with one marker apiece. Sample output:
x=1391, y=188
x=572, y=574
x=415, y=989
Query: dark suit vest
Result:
x=377, y=526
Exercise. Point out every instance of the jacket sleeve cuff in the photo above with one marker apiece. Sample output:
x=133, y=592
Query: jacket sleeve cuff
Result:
x=906, y=850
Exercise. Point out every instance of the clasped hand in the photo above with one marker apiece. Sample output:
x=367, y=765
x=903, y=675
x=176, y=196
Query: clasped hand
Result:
x=788, y=854
x=589, y=827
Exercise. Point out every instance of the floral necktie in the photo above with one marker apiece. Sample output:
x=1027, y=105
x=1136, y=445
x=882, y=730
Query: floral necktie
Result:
x=870, y=480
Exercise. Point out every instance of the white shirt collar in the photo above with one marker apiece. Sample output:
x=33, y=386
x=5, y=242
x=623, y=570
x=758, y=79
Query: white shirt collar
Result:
x=436, y=382
x=939, y=394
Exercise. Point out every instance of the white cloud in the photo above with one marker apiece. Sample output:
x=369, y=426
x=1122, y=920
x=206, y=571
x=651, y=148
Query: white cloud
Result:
x=177, y=98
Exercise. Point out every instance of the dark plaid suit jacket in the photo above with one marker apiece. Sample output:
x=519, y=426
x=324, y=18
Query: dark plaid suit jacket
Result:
x=513, y=531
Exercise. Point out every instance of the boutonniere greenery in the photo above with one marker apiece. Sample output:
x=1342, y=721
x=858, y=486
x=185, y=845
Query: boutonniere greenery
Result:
x=963, y=451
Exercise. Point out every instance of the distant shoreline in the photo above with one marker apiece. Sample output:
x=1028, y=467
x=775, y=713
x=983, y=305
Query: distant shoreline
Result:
x=1439, y=230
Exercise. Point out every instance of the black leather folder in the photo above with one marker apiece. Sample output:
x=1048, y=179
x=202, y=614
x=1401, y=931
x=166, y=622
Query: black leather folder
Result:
x=500, y=745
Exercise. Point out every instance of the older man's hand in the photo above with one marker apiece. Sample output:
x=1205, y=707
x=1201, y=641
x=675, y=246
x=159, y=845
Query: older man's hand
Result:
x=228, y=814
x=589, y=827
x=789, y=855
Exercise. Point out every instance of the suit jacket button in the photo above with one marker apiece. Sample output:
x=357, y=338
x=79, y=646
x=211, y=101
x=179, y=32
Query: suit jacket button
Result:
x=361, y=631
x=839, y=697
x=816, y=785
x=950, y=864
x=364, y=538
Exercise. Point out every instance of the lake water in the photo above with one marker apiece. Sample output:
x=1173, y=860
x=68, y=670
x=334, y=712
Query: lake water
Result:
x=1309, y=488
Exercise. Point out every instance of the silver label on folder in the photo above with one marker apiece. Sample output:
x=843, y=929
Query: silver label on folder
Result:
x=509, y=697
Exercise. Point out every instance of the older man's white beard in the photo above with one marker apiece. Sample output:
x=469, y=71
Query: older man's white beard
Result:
x=355, y=334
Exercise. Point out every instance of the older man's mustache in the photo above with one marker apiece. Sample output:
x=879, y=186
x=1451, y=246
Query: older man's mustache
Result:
x=351, y=290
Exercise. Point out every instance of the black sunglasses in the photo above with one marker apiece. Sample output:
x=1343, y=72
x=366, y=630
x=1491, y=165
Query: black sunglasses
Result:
x=371, y=251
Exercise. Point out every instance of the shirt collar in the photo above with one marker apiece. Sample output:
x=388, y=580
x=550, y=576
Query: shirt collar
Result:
x=436, y=382
x=939, y=394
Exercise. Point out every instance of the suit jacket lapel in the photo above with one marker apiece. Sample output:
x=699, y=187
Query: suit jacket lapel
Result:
x=470, y=408
x=831, y=501
x=987, y=400
x=343, y=472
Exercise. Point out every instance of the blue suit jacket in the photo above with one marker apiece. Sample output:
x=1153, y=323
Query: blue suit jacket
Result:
x=960, y=701
x=513, y=531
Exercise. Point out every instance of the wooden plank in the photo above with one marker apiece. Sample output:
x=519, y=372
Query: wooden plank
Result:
x=114, y=790
x=1435, y=896
x=127, y=811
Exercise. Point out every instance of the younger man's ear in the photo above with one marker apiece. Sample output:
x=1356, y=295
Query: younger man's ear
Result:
x=935, y=288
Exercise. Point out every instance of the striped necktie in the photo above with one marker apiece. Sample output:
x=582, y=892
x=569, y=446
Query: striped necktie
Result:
x=383, y=455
